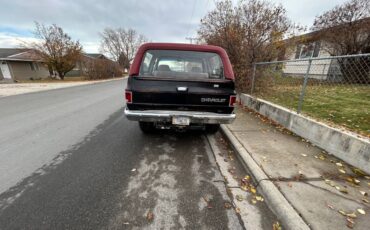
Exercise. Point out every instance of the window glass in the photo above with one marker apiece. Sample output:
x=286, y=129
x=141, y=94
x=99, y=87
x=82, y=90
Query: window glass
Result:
x=181, y=64
x=308, y=50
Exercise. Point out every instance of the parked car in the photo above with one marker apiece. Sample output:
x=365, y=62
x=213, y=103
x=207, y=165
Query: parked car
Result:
x=181, y=86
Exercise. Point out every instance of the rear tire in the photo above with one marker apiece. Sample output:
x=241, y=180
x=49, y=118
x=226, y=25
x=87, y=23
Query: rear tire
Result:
x=212, y=128
x=147, y=127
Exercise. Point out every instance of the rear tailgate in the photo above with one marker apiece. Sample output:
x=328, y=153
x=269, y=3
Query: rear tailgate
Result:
x=184, y=95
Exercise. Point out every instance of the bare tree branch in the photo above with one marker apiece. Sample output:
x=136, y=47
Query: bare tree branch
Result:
x=121, y=44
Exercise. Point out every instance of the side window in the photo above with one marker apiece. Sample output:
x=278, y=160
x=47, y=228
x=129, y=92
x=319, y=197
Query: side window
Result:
x=216, y=67
x=146, y=62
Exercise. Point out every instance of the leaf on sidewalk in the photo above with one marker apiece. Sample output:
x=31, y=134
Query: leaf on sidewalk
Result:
x=361, y=211
x=339, y=164
x=330, y=206
x=365, y=200
x=259, y=198
x=342, y=212
x=304, y=155
x=239, y=197
x=363, y=193
x=350, y=223
x=342, y=171
x=253, y=190
x=227, y=205
x=276, y=226
x=359, y=172
x=351, y=215
x=150, y=216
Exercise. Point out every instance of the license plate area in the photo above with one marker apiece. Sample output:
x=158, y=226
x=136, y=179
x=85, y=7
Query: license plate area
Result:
x=178, y=120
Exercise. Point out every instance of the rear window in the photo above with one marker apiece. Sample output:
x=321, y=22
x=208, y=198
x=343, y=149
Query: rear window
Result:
x=181, y=64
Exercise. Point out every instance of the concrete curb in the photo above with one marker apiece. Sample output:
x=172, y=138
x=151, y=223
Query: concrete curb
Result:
x=274, y=198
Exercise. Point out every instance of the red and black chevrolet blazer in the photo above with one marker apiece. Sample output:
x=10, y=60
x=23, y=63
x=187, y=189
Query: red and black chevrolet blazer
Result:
x=180, y=85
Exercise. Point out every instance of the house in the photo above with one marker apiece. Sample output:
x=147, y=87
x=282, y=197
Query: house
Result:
x=308, y=46
x=81, y=66
x=21, y=64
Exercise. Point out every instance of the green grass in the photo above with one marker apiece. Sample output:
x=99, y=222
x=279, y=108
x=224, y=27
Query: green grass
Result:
x=346, y=106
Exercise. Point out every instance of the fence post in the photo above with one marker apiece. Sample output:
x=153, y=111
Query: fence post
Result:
x=301, y=96
x=253, y=78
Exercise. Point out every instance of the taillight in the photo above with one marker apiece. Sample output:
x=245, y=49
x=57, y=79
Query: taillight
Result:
x=232, y=101
x=128, y=95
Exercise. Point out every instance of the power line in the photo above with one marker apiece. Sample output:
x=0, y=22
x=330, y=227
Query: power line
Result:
x=192, y=39
x=191, y=18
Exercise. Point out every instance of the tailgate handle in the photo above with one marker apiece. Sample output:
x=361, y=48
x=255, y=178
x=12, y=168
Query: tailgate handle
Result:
x=182, y=89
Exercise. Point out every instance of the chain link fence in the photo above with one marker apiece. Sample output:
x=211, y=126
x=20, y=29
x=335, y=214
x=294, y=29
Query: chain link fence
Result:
x=335, y=89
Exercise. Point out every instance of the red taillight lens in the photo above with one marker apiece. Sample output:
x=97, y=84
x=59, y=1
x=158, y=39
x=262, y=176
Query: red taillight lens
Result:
x=128, y=95
x=232, y=101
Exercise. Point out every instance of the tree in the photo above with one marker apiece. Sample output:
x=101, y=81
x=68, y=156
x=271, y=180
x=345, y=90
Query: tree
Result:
x=345, y=30
x=121, y=44
x=56, y=49
x=101, y=69
x=250, y=32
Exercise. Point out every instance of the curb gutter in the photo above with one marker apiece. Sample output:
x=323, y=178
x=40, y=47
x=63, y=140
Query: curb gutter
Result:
x=274, y=198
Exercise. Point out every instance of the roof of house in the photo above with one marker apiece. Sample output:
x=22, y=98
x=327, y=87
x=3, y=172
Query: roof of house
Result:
x=95, y=55
x=313, y=35
x=18, y=54
x=6, y=52
x=135, y=67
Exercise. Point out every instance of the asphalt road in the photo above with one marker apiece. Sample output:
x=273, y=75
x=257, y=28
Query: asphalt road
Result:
x=71, y=160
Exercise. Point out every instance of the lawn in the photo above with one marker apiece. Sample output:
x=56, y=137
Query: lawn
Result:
x=346, y=106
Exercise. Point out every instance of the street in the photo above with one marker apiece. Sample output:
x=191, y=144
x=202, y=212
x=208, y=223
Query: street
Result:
x=70, y=159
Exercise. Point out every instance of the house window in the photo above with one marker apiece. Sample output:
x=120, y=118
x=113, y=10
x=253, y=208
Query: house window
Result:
x=34, y=66
x=308, y=50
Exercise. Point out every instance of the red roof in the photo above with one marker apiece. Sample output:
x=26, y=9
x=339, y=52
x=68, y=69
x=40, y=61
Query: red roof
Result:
x=135, y=67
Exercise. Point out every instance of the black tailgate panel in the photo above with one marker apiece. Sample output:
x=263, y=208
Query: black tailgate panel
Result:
x=163, y=94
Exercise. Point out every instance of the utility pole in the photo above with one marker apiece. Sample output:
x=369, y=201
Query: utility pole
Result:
x=191, y=39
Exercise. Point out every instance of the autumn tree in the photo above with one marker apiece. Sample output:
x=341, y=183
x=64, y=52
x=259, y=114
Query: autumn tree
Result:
x=56, y=48
x=121, y=44
x=345, y=30
x=251, y=31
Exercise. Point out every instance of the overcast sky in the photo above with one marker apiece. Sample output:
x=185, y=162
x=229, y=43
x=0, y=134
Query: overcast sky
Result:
x=158, y=20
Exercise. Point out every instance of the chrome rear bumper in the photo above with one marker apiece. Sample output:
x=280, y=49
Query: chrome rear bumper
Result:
x=166, y=116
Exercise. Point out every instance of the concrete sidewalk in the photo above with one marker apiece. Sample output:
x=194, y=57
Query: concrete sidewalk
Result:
x=21, y=88
x=325, y=191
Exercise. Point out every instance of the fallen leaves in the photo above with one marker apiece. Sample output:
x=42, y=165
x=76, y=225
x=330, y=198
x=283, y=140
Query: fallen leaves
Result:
x=239, y=197
x=227, y=205
x=342, y=212
x=276, y=226
x=150, y=216
x=358, y=172
x=361, y=211
x=350, y=222
x=363, y=193
x=351, y=215
x=208, y=202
